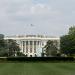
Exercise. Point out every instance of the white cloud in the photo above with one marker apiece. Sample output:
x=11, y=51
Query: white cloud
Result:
x=32, y=11
x=40, y=9
x=50, y=15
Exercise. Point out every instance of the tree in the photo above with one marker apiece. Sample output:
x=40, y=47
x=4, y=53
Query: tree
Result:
x=67, y=42
x=9, y=47
x=1, y=36
x=71, y=30
x=50, y=48
x=3, y=48
x=12, y=47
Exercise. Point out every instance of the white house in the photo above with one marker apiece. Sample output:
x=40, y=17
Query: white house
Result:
x=31, y=45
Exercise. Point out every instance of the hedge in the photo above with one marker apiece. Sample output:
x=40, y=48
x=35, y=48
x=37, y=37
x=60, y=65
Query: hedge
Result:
x=35, y=59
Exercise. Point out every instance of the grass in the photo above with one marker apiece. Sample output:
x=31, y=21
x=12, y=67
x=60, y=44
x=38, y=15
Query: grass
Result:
x=37, y=68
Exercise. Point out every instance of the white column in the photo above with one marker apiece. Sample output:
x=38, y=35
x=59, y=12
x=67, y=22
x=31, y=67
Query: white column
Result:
x=32, y=46
x=25, y=47
x=41, y=44
x=28, y=46
x=21, y=46
x=58, y=43
x=36, y=46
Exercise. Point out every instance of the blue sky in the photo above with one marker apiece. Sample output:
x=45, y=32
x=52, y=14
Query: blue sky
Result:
x=49, y=17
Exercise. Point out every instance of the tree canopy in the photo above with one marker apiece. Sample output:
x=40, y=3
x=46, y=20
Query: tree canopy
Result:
x=3, y=47
x=50, y=48
x=13, y=47
x=71, y=30
x=67, y=42
x=8, y=47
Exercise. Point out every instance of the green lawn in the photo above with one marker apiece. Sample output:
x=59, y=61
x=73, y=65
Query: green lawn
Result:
x=37, y=68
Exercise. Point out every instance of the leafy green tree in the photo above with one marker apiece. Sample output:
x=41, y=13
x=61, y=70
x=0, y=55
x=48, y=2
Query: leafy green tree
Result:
x=3, y=48
x=1, y=36
x=50, y=48
x=67, y=42
x=9, y=47
x=71, y=30
x=13, y=47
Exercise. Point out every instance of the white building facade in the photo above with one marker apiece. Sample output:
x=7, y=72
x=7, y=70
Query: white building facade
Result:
x=31, y=45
